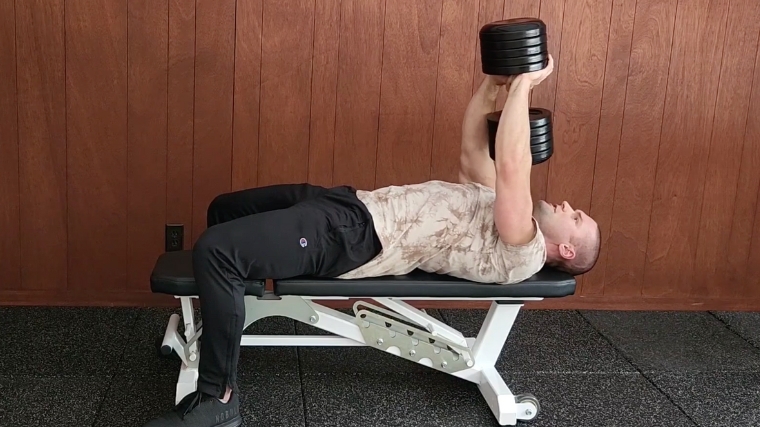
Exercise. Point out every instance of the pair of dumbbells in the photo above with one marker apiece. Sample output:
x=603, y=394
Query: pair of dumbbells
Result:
x=511, y=47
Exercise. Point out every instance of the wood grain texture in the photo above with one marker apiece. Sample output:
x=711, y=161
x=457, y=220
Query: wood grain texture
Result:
x=324, y=90
x=285, y=89
x=358, y=97
x=488, y=11
x=639, y=143
x=610, y=129
x=214, y=77
x=407, y=97
x=743, y=257
x=10, y=245
x=42, y=142
x=96, y=115
x=245, y=140
x=544, y=96
x=180, y=113
x=712, y=269
x=146, y=153
x=456, y=53
x=578, y=101
x=682, y=160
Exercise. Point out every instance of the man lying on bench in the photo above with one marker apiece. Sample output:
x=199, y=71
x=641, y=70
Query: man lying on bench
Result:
x=484, y=229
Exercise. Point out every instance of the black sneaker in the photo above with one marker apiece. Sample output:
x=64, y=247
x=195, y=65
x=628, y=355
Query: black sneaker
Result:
x=201, y=410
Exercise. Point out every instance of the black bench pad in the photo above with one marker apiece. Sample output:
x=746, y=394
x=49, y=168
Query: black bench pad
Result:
x=548, y=283
x=173, y=275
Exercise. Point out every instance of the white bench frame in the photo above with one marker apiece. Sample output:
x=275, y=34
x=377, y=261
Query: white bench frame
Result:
x=480, y=369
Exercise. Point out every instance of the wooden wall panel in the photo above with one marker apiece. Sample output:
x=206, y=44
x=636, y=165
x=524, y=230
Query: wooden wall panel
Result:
x=96, y=119
x=712, y=263
x=358, y=99
x=744, y=245
x=119, y=116
x=324, y=90
x=609, y=137
x=407, y=97
x=146, y=154
x=682, y=159
x=285, y=88
x=456, y=54
x=640, y=139
x=42, y=142
x=180, y=113
x=214, y=77
x=10, y=246
x=245, y=137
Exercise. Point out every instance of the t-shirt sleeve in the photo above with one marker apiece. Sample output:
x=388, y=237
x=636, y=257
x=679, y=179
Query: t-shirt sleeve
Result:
x=520, y=262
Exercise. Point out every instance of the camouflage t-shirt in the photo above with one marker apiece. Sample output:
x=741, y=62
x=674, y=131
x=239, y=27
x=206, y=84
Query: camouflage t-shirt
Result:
x=446, y=228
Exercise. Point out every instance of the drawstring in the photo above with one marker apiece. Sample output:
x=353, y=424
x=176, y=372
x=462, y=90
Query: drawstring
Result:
x=191, y=402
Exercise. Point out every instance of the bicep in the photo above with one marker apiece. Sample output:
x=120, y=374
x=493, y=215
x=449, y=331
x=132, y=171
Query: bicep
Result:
x=513, y=211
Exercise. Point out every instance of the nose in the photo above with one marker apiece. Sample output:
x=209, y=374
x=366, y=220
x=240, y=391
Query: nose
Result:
x=566, y=206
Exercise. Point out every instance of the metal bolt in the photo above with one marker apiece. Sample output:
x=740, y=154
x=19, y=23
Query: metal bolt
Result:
x=528, y=412
x=380, y=342
x=444, y=365
x=470, y=363
x=415, y=341
x=412, y=352
x=365, y=324
x=313, y=319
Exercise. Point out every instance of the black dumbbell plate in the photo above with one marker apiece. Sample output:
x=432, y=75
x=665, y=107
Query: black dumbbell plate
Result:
x=513, y=62
x=511, y=29
x=537, y=148
x=512, y=44
x=513, y=71
x=511, y=53
x=540, y=130
x=539, y=117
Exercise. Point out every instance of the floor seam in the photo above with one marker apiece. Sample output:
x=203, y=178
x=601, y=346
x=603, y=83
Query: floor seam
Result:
x=734, y=331
x=117, y=366
x=643, y=375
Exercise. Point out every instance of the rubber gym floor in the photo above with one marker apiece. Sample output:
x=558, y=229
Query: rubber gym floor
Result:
x=99, y=367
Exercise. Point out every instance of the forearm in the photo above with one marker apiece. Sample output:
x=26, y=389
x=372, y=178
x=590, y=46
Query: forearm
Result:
x=474, y=129
x=513, y=158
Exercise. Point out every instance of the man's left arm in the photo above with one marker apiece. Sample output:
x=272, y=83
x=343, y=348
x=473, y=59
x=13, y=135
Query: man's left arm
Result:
x=513, y=208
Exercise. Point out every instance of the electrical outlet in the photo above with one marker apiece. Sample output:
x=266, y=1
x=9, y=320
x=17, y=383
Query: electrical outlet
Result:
x=175, y=237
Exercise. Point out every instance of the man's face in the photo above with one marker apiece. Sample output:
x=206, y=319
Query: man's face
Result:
x=561, y=223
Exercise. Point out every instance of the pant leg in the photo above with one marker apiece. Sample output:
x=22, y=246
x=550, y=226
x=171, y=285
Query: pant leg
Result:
x=323, y=237
x=237, y=204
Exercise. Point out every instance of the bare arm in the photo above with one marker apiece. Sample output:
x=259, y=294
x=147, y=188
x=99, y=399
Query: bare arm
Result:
x=513, y=209
x=475, y=164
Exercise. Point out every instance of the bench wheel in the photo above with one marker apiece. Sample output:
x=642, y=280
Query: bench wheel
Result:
x=165, y=352
x=528, y=406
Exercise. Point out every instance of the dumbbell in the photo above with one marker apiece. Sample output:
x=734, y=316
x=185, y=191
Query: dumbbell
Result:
x=513, y=46
x=541, y=137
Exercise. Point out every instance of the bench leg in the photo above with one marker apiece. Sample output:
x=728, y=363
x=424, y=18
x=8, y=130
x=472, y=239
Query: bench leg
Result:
x=506, y=407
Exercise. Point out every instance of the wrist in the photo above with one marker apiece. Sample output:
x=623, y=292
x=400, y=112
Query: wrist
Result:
x=520, y=84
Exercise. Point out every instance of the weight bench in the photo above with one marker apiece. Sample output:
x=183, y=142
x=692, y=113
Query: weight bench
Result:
x=390, y=324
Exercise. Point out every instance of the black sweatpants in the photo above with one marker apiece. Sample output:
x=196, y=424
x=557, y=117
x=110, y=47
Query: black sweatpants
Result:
x=272, y=232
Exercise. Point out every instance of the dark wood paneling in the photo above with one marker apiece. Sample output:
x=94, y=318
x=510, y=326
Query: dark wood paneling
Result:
x=682, y=159
x=245, y=141
x=640, y=139
x=407, y=97
x=488, y=11
x=42, y=142
x=723, y=163
x=10, y=260
x=96, y=107
x=552, y=13
x=744, y=246
x=180, y=112
x=214, y=76
x=285, y=88
x=358, y=98
x=610, y=128
x=147, y=81
x=324, y=89
x=453, y=85
x=578, y=101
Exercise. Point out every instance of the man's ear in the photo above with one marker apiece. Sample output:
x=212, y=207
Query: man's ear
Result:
x=566, y=251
